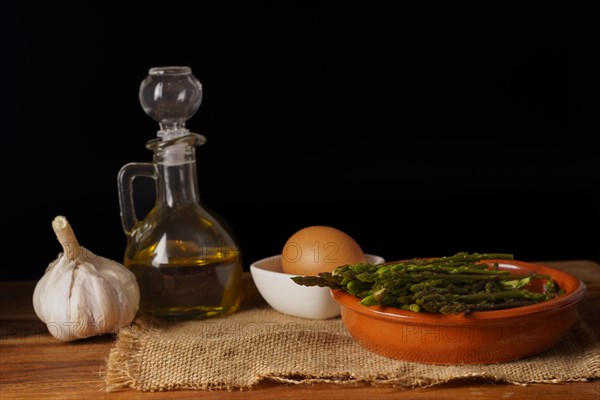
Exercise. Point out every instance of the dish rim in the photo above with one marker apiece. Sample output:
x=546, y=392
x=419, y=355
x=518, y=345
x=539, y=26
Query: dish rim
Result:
x=254, y=265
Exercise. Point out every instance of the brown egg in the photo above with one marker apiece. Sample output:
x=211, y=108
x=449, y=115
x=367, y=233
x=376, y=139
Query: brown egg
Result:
x=319, y=249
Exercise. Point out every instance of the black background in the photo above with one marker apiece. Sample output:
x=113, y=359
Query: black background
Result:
x=418, y=130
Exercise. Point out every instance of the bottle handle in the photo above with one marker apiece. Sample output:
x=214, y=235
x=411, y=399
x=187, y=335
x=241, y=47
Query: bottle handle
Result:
x=125, y=182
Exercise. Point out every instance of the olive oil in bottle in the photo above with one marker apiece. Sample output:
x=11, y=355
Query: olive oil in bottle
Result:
x=202, y=287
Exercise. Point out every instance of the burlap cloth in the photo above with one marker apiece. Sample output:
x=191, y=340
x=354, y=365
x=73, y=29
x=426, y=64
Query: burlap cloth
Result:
x=258, y=343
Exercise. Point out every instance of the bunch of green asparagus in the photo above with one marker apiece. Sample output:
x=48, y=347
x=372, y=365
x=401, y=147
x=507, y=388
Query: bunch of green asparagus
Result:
x=461, y=283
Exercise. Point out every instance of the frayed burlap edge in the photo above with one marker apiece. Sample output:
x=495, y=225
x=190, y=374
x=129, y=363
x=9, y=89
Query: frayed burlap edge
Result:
x=124, y=363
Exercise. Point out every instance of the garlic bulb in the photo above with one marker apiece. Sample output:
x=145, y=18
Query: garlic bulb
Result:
x=82, y=294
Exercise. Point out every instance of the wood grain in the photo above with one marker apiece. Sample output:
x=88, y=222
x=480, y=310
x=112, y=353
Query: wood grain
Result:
x=35, y=365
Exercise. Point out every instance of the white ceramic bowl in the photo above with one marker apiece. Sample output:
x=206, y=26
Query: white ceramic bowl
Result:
x=285, y=296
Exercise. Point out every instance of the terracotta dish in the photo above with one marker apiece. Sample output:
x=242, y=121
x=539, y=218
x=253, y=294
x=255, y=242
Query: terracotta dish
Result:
x=481, y=337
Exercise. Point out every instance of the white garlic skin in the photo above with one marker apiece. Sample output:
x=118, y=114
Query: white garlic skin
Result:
x=88, y=296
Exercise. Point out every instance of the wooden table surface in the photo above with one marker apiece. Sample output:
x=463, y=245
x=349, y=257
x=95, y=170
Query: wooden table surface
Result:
x=33, y=365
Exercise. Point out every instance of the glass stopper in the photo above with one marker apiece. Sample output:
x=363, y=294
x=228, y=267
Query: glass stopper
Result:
x=170, y=96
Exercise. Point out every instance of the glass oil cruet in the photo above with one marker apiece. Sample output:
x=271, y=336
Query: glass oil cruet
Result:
x=188, y=265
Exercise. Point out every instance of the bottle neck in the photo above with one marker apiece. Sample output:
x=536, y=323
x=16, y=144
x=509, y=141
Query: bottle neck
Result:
x=177, y=183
